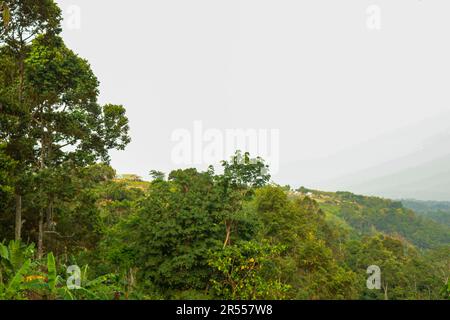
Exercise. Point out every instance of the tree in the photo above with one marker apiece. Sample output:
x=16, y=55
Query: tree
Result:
x=399, y=265
x=244, y=271
x=446, y=291
x=66, y=113
x=311, y=265
x=21, y=21
x=7, y=167
x=175, y=226
x=52, y=119
x=157, y=175
x=241, y=175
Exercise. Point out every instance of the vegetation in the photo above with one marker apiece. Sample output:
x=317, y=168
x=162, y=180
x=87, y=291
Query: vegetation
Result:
x=73, y=229
x=438, y=211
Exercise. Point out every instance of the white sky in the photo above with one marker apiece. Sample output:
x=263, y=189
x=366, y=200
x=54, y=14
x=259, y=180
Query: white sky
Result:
x=311, y=69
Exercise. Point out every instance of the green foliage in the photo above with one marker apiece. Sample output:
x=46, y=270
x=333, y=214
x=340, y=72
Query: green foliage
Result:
x=190, y=235
x=157, y=175
x=6, y=14
x=51, y=269
x=67, y=85
x=14, y=255
x=104, y=287
x=312, y=264
x=15, y=263
x=366, y=214
x=22, y=277
x=21, y=19
x=243, y=171
x=6, y=168
x=174, y=229
x=165, y=240
x=51, y=124
x=244, y=271
x=12, y=290
x=438, y=211
x=446, y=291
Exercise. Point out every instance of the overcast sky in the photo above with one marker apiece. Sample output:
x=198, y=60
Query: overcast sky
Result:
x=320, y=72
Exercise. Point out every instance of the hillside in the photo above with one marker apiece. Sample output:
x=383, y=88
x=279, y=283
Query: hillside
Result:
x=428, y=180
x=364, y=215
x=408, y=163
x=178, y=237
x=438, y=211
x=189, y=93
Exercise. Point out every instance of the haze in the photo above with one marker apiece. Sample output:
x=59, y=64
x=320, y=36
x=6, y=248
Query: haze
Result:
x=345, y=98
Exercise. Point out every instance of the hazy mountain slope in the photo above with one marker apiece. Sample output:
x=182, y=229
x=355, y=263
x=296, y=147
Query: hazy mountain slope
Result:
x=412, y=162
x=438, y=211
x=426, y=181
x=364, y=215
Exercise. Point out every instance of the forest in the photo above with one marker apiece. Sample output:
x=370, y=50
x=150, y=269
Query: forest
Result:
x=72, y=228
x=438, y=211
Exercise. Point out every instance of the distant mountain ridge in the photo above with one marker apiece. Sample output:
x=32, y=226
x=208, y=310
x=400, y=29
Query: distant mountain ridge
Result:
x=412, y=162
x=363, y=215
x=438, y=211
x=425, y=181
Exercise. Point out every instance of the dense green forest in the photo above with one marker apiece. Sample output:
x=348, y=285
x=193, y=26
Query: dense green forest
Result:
x=438, y=211
x=224, y=233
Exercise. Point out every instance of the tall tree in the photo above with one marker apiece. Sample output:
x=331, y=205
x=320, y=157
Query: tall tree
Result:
x=21, y=21
x=51, y=116
x=241, y=175
x=67, y=124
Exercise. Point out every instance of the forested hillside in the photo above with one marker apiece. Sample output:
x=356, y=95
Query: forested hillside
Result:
x=71, y=228
x=232, y=235
x=365, y=215
x=438, y=211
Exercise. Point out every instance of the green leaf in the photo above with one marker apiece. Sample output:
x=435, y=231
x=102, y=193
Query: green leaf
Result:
x=6, y=14
x=98, y=281
x=51, y=268
x=89, y=293
x=66, y=294
x=15, y=283
x=4, y=252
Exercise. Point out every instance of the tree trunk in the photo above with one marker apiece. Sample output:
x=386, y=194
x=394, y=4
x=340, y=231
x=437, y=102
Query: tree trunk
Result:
x=49, y=217
x=40, y=252
x=386, y=292
x=18, y=227
x=227, y=238
x=21, y=75
x=41, y=211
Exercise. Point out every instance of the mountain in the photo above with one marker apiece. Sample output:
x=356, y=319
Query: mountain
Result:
x=438, y=211
x=408, y=163
x=423, y=174
x=424, y=181
x=365, y=215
